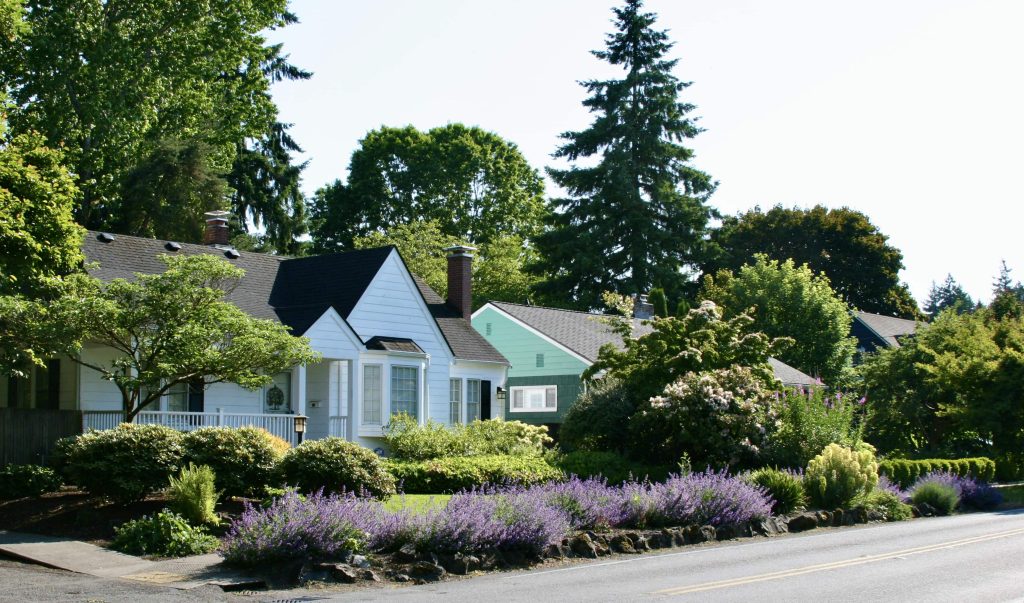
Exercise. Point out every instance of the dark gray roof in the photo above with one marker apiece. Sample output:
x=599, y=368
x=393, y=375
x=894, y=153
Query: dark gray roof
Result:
x=293, y=291
x=582, y=333
x=791, y=376
x=393, y=344
x=887, y=328
x=462, y=338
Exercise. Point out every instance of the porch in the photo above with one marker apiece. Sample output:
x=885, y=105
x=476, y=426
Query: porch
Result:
x=280, y=425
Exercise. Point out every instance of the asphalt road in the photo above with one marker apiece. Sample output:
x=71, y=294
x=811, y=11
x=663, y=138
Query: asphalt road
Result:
x=973, y=557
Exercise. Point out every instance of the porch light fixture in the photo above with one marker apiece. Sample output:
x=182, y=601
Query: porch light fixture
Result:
x=300, y=427
x=502, y=393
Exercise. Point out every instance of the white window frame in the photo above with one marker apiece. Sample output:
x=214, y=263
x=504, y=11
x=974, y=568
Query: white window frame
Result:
x=380, y=395
x=455, y=390
x=474, y=407
x=526, y=390
x=415, y=390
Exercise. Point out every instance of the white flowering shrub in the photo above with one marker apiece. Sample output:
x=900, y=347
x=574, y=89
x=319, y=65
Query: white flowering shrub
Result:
x=720, y=418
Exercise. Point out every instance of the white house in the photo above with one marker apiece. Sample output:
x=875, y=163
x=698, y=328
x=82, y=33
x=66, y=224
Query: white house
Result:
x=389, y=344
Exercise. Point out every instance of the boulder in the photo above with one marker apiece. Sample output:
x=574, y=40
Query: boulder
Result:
x=583, y=546
x=459, y=564
x=369, y=575
x=735, y=530
x=343, y=572
x=621, y=543
x=769, y=526
x=406, y=554
x=359, y=561
x=426, y=571
x=554, y=551
x=926, y=510
x=402, y=578
x=803, y=522
x=698, y=534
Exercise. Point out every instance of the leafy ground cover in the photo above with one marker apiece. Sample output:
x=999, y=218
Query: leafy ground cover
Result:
x=417, y=503
x=1013, y=495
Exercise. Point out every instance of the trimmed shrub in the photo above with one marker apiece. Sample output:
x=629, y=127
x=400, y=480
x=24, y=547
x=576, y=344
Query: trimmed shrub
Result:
x=300, y=527
x=609, y=465
x=942, y=497
x=21, y=481
x=407, y=439
x=335, y=465
x=410, y=441
x=123, y=464
x=165, y=534
x=243, y=459
x=906, y=472
x=462, y=473
x=838, y=475
x=194, y=495
x=785, y=488
x=599, y=418
x=888, y=503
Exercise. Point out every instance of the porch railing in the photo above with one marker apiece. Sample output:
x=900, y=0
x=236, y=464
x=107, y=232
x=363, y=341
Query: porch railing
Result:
x=338, y=427
x=283, y=426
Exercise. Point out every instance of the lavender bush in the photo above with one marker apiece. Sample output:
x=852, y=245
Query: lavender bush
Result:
x=970, y=492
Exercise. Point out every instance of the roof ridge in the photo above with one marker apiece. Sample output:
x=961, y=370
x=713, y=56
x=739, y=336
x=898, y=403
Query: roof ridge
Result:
x=549, y=308
x=166, y=240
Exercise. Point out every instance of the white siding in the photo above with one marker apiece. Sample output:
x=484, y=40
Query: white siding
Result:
x=495, y=373
x=96, y=393
x=232, y=398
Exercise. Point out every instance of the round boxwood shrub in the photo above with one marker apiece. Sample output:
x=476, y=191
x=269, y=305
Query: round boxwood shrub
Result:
x=335, y=465
x=123, y=464
x=21, y=481
x=243, y=459
x=785, y=488
x=838, y=475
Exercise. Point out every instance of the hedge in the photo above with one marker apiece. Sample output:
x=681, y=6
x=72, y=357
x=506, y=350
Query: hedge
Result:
x=905, y=472
x=462, y=473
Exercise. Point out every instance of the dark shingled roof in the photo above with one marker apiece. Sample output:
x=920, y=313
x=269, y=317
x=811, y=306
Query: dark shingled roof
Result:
x=393, y=344
x=293, y=291
x=583, y=334
x=886, y=328
x=463, y=339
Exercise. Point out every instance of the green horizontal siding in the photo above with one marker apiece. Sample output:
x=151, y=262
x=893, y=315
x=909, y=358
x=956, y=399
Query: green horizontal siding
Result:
x=569, y=388
x=521, y=347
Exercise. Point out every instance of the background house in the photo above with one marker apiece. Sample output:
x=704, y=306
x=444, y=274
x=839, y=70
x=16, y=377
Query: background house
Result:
x=549, y=349
x=877, y=331
x=389, y=344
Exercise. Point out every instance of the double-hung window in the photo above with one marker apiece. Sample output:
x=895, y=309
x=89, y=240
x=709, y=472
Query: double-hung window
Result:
x=373, y=394
x=455, y=401
x=472, y=400
x=404, y=390
x=543, y=398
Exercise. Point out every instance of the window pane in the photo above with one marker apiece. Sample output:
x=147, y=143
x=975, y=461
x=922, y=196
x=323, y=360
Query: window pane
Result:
x=403, y=390
x=177, y=397
x=372, y=390
x=539, y=398
x=517, y=398
x=455, y=401
x=472, y=399
x=551, y=398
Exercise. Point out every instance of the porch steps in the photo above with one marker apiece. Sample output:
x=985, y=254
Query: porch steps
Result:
x=84, y=558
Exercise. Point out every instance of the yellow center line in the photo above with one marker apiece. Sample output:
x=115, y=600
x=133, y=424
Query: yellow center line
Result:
x=682, y=590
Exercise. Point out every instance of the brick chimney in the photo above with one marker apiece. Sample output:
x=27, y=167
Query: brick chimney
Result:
x=216, y=228
x=460, y=279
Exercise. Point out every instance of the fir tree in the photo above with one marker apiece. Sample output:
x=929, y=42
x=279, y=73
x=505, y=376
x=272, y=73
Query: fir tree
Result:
x=639, y=215
x=948, y=295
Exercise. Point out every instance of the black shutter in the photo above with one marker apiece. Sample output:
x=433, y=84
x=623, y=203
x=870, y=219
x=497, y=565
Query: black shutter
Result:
x=196, y=396
x=53, y=385
x=485, y=400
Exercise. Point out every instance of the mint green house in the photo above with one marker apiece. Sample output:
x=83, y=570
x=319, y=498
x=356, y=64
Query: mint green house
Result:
x=550, y=348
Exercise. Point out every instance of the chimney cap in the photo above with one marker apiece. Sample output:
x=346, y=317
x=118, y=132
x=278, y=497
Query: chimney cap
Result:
x=457, y=250
x=217, y=214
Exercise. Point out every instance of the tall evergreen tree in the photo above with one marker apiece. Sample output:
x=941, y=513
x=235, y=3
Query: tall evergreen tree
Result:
x=639, y=215
x=948, y=295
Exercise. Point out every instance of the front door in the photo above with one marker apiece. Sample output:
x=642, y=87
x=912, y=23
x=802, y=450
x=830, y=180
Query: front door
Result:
x=196, y=396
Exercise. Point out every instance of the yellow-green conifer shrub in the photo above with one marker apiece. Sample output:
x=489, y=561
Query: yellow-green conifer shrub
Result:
x=838, y=475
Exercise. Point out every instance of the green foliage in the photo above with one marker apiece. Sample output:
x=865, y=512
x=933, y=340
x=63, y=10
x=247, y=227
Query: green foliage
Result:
x=243, y=459
x=474, y=184
x=886, y=503
x=810, y=421
x=123, y=464
x=448, y=475
x=862, y=267
x=20, y=481
x=613, y=467
x=408, y=440
x=948, y=296
x=165, y=329
x=790, y=301
x=700, y=341
x=636, y=211
x=38, y=236
x=165, y=534
x=837, y=476
x=108, y=83
x=599, y=418
x=785, y=488
x=720, y=418
x=194, y=495
x=942, y=497
x=657, y=299
x=336, y=465
x=905, y=472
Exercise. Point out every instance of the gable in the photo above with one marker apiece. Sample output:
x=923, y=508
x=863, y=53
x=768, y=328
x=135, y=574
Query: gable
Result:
x=521, y=345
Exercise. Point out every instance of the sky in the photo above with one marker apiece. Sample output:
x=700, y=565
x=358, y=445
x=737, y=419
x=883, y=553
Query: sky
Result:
x=911, y=112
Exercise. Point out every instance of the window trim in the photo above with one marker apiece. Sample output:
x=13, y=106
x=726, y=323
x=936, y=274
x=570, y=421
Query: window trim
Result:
x=457, y=406
x=362, y=394
x=524, y=388
x=478, y=415
x=417, y=402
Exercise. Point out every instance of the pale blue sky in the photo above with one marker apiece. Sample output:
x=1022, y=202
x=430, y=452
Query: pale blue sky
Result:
x=910, y=111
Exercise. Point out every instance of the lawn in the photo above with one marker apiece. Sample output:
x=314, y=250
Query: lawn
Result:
x=1013, y=495
x=417, y=503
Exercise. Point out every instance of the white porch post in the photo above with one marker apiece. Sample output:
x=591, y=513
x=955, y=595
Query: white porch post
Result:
x=299, y=378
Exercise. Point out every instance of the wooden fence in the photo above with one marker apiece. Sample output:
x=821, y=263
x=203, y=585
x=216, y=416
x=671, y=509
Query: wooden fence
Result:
x=27, y=435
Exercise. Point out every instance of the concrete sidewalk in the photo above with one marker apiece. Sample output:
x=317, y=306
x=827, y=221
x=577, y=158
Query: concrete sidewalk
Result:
x=81, y=557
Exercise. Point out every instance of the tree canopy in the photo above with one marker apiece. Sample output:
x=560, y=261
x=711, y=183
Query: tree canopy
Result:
x=168, y=328
x=637, y=216
x=110, y=82
x=790, y=301
x=948, y=296
x=474, y=184
x=38, y=236
x=862, y=267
